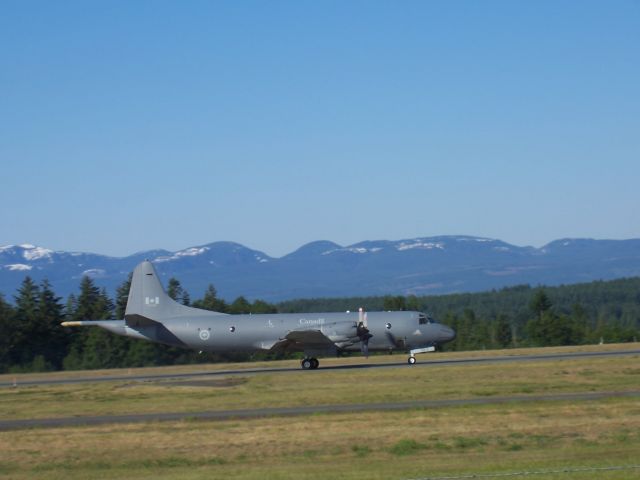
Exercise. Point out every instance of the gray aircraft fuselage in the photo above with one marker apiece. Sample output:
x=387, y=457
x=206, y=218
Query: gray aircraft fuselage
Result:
x=152, y=315
x=250, y=333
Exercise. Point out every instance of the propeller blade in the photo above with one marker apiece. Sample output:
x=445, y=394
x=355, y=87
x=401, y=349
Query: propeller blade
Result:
x=363, y=332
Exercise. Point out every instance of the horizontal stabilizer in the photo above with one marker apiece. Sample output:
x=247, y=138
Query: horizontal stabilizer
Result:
x=136, y=320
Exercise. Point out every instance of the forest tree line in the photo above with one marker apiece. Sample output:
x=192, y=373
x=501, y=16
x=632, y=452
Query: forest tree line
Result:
x=519, y=316
x=31, y=338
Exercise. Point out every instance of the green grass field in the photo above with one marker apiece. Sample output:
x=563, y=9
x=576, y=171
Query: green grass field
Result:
x=415, y=443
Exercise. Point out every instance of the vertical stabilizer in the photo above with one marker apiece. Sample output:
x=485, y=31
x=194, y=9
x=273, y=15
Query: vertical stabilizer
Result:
x=148, y=302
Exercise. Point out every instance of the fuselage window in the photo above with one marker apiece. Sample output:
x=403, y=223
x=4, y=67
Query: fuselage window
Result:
x=422, y=319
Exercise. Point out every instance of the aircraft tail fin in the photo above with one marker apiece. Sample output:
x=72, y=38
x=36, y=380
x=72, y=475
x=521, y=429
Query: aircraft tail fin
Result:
x=148, y=303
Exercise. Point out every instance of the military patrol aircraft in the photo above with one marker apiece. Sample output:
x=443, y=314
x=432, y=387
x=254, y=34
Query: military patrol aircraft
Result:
x=152, y=315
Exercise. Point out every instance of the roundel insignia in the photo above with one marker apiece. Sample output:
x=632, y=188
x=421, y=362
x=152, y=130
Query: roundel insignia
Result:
x=204, y=334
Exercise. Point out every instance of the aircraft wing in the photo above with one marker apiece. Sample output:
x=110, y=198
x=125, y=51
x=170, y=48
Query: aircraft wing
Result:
x=303, y=340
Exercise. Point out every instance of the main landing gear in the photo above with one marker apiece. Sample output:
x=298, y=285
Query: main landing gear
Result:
x=309, y=363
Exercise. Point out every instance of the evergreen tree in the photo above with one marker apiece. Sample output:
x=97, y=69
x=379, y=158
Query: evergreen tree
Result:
x=186, y=298
x=6, y=333
x=413, y=303
x=92, y=304
x=549, y=328
x=394, y=303
x=210, y=301
x=71, y=306
x=122, y=295
x=552, y=329
x=240, y=305
x=502, y=332
x=175, y=291
x=260, y=306
x=25, y=324
x=540, y=303
x=94, y=347
x=54, y=339
x=476, y=331
x=101, y=348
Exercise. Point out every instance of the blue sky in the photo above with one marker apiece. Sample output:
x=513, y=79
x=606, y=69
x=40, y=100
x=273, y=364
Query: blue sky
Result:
x=126, y=126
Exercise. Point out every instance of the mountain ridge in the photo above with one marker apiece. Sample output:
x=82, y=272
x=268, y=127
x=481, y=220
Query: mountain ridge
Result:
x=421, y=265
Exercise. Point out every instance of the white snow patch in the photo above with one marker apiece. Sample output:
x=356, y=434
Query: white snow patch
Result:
x=501, y=249
x=6, y=247
x=566, y=244
x=352, y=250
x=421, y=245
x=474, y=239
x=260, y=259
x=35, y=253
x=18, y=267
x=27, y=245
x=189, y=252
x=94, y=272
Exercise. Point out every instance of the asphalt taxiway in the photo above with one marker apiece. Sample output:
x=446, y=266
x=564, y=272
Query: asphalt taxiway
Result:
x=237, y=374
x=305, y=410
x=424, y=362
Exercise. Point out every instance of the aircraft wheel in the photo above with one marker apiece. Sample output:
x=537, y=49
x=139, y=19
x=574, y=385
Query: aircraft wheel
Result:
x=306, y=364
x=314, y=363
x=411, y=360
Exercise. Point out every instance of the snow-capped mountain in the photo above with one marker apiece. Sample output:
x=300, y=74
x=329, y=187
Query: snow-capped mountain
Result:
x=429, y=265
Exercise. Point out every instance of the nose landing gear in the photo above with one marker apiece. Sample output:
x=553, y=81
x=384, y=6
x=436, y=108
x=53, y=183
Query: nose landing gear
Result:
x=412, y=353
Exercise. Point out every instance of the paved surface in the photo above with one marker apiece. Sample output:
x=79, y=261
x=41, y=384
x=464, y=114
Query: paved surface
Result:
x=290, y=411
x=422, y=362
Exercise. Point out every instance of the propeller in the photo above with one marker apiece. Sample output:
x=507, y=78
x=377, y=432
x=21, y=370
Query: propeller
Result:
x=363, y=332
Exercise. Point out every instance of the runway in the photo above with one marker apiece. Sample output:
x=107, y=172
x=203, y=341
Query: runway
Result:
x=292, y=411
x=424, y=362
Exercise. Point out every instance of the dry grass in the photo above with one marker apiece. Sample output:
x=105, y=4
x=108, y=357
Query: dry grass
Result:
x=322, y=387
x=372, y=445
x=367, y=445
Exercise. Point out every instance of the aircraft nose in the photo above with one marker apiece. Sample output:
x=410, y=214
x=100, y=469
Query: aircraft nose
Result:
x=448, y=333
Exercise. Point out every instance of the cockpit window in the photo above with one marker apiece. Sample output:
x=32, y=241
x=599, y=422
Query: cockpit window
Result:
x=424, y=319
